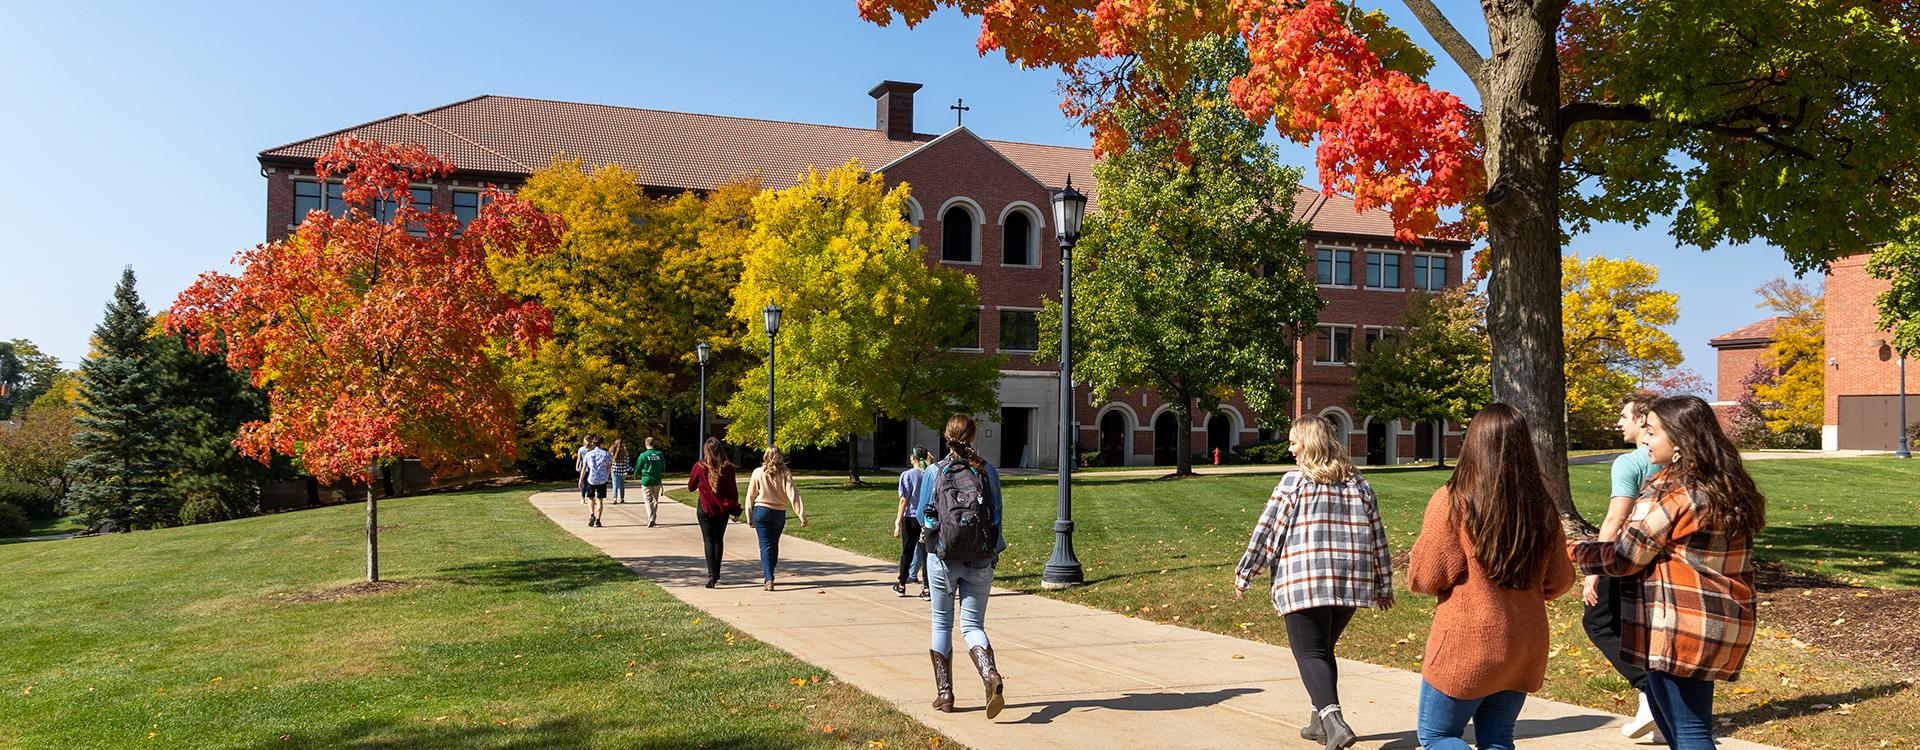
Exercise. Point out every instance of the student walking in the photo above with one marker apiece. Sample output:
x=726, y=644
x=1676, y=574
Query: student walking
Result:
x=1685, y=557
x=964, y=530
x=713, y=479
x=622, y=467
x=651, y=464
x=1601, y=594
x=1492, y=550
x=906, y=524
x=770, y=492
x=597, y=469
x=1321, y=540
x=580, y=466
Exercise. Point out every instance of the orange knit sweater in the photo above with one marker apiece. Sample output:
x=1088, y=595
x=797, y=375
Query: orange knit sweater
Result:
x=1485, y=639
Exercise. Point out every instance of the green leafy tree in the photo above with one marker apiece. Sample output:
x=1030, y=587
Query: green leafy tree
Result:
x=863, y=318
x=1898, y=262
x=1198, y=232
x=122, y=470
x=1614, y=320
x=1432, y=367
x=25, y=374
x=38, y=450
x=206, y=403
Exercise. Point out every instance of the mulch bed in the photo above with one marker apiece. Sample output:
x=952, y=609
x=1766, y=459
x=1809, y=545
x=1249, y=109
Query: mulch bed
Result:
x=349, y=591
x=1880, y=626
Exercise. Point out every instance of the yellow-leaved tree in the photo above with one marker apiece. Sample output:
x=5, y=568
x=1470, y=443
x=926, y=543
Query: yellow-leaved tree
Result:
x=863, y=316
x=636, y=285
x=1795, y=398
x=1614, y=319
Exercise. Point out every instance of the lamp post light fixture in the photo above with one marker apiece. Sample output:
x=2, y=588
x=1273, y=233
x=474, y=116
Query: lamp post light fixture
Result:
x=1904, y=451
x=1063, y=569
x=703, y=351
x=772, y=319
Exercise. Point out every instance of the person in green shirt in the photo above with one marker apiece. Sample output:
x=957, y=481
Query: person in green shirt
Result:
x=1602, y=593
x=652, y=465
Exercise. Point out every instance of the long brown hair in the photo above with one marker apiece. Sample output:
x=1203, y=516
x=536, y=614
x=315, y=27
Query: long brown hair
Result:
x=1323, y=451
x=619, y=451
x=1502, y=499
x=1705, y=461
x=959, y=434
x=715, y=457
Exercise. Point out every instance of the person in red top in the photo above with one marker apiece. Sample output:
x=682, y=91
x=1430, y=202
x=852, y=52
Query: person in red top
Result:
x=1492, y=550
x=1686, y=562
x=719, y=499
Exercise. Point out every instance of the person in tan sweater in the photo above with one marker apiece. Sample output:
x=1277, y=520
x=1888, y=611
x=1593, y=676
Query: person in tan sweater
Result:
x=770, y=493
x=1492, y=550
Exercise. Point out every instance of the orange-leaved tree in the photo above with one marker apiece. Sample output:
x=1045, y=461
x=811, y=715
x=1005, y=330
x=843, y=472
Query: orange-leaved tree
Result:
x=1742, y=119
x=377, y=333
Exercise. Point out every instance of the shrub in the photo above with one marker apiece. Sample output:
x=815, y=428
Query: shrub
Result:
x=13, y=521
x=1272, y=452
x=38, y=503
x=1089, y=459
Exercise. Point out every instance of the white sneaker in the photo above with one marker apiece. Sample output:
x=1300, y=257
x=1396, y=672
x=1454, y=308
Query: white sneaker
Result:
x=1641, y=723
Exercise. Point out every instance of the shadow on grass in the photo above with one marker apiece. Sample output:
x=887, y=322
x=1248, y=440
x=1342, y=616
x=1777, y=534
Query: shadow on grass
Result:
x=541, y=575
x=555, y=734
x=1881, y=550
x=1522, y=729
x=1805, y=705
x=1050, y=710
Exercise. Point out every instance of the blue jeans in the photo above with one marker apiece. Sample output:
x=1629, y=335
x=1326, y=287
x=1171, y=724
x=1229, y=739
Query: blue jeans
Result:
x=1683, y=709
x=1443, y=719
x=619, y=488
x=770, y=523
x=974, y=581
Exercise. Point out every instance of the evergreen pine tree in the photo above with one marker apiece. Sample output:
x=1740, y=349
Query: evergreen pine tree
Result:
x=124, y=463
x=206, y=402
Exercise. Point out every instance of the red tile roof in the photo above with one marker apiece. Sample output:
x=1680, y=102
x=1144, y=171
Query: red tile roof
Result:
x=1748, y=334
x=677, y=150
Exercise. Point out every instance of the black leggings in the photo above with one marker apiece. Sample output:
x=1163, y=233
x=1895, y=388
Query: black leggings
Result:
x=1602, y=623
x=712, y=529
x=1311, y=633
x=909, y=547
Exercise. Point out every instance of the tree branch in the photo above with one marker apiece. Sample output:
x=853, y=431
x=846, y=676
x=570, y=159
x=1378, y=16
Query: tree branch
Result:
x=1451, y=40
x=1578, y=112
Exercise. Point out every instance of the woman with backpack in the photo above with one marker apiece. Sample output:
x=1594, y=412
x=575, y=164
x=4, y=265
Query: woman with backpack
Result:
x=1320, y=538
x=770, y=492
x=1492, y=550
x=719, y=493
x=962, y=518
x=1685, y=562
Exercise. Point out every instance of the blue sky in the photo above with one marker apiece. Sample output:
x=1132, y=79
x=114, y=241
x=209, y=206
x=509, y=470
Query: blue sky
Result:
x=131, y=130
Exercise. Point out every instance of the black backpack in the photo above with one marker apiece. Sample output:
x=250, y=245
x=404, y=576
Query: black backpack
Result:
x=964, y=527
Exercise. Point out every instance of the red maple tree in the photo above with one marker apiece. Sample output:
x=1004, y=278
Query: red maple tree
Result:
x=376, y=331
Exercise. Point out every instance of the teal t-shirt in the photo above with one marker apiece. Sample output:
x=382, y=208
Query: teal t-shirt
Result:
x=1631, y=471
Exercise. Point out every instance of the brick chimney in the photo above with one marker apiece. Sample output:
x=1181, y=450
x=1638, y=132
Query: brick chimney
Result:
x=893, y=109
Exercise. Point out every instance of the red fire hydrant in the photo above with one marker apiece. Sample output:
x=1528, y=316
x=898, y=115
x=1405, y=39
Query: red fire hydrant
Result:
x=1216, y=457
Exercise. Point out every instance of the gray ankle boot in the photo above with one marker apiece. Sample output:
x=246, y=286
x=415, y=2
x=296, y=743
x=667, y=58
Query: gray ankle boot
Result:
x=1339, y=735
x=1314, y=731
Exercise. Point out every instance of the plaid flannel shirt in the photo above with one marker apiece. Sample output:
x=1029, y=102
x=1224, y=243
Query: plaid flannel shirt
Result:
x=1323, y=544
x=1688, y=609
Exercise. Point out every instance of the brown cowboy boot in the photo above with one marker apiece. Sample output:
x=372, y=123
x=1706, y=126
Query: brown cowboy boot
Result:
x=942, y=681
x=990, y=678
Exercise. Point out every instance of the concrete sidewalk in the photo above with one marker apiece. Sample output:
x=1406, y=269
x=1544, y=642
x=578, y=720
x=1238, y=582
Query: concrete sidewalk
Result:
x=1076, y=677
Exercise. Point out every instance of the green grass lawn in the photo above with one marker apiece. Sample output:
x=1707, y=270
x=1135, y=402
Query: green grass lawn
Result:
x=1165, y=550
x=510, y=633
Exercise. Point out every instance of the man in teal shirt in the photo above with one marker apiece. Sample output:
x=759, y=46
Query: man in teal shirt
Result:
x=1602, y=593
x=652, y=466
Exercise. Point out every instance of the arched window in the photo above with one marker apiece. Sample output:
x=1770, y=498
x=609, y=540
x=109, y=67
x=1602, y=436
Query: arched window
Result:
x=912, y=216
x=956, y=235
x=1016, y=238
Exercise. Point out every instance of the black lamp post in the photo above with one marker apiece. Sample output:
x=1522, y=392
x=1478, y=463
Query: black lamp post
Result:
x=1903, y=451
x=1063, y=569
x=772, y=319
x=703, y=351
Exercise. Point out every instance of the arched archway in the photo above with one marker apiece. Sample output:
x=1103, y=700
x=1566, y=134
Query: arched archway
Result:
x=1219, y=434
x=1166, y=439
x=1115, y=433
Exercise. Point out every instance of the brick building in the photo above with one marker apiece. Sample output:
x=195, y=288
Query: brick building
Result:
x=1862, y=374
x=1737, y=352
x=981, y=205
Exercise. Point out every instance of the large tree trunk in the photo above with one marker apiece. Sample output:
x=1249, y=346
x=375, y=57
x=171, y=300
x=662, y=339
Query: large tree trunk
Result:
x=373, y=537
x=1521, y=98
x=1183, y=438
x=853, y=460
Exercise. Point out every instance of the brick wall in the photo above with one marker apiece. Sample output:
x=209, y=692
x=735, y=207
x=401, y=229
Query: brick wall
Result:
x=1734, y=362
x=1854, y=365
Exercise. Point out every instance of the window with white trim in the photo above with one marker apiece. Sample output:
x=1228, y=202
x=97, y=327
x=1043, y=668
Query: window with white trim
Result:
x=1019, y=330
x=968, y=337
x=1430, y=272
x=466, y=205
x=308, y=197
x=1016, y=239
x=956, y=235
x=1383, y=270
x=1334, y=345
x=1335, y=267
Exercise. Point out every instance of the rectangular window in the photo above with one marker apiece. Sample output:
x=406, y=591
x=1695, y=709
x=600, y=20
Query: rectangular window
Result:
x=466, y=206
x=1335, y=267
x=1374, y=335
x=967, y=337
x=1019, y=330
x=1429, y=272
x=1383, y=270
x=307, y=196
x=1335, y=345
